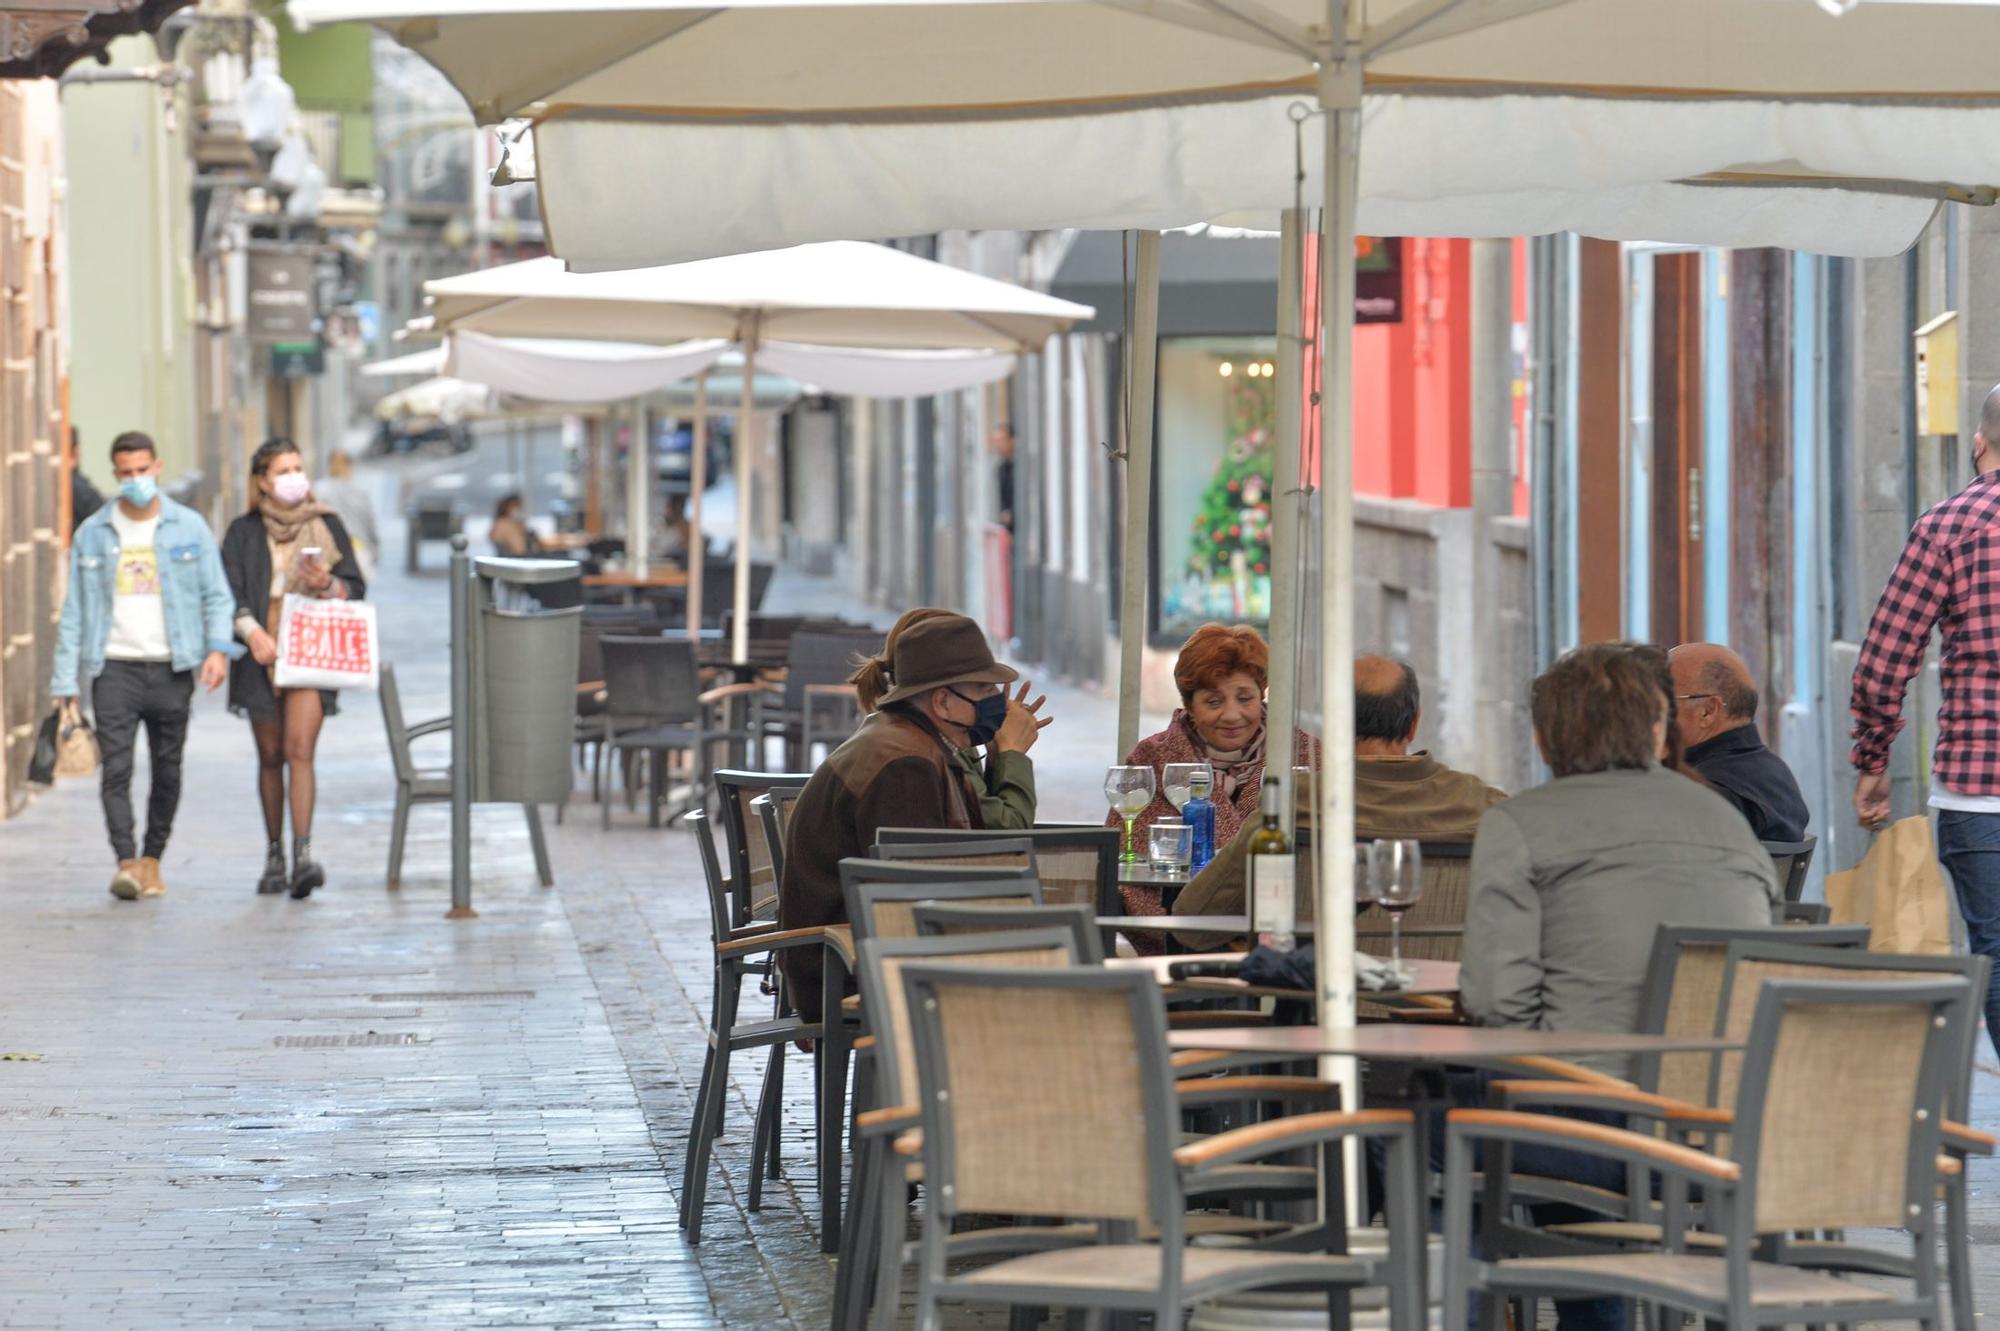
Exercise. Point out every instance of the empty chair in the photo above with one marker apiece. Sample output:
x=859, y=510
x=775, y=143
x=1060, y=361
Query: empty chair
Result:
x=949, y=919
x=817, y=702
x=654, y=704
x=1019, y=1073
x=1076, y=863
x=430, y=785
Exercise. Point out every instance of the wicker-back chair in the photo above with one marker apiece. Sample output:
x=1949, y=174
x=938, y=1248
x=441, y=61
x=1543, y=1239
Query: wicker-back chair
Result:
x=753, y=875
x=886, y=908
x=940, y=919
x=773, y=813
x=739, y=953
x=1434, y=928
x=1830, y=1130
x=1019, y=1073
x=1077, y=864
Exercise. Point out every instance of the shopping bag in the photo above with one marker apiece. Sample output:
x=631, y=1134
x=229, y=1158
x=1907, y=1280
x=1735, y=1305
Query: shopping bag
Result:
x=76, y=742
x=1897, y=891
x=326, y=644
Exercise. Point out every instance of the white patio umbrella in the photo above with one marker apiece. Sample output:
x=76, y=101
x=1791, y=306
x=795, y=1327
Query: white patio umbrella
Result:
x=850, y=317
x=1620, y=118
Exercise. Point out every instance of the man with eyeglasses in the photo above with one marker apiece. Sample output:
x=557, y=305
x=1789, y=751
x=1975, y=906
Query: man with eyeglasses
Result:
x=1716, y=705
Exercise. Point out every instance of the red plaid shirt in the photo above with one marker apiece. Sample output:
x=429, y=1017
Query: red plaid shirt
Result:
x=1948, y=577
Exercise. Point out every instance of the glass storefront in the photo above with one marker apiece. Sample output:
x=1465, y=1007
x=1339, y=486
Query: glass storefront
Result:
x=1212, y=538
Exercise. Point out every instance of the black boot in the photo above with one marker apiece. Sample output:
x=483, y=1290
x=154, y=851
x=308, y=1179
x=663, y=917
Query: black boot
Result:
x=274, y=879
x=305, y=874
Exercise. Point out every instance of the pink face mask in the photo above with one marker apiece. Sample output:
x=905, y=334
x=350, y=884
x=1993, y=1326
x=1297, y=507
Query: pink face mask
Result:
x=291, y=488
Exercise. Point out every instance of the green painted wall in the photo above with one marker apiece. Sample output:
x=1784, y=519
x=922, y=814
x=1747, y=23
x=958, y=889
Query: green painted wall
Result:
x=333, y=69
x=131, y=324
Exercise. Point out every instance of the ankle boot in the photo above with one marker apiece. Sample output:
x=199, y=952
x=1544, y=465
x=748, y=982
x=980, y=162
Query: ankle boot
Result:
x=274, y=878
x=306, y=875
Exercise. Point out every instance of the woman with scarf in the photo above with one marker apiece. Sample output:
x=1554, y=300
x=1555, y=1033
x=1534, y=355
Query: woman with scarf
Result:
x=1222, y=673
x=287, y=544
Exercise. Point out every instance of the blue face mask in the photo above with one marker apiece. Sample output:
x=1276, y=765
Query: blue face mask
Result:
x=138, y=491
x=988, y=714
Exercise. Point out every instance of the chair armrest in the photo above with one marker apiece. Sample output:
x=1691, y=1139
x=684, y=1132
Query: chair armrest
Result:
x=1543, y=1066
x=1285, y=1134
x=889, y=1121
x=1592, y=1139
x=831, y=691
x=590, y=686
x=772, y=942
x=430, y=727
x=1967, y=1141
x=1579, y=1095
x=725, y=691
x=1257, y=1090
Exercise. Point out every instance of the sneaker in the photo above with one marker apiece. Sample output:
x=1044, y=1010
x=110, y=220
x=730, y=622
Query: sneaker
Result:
x=306, y=875
x=274, y=879
x=125, y=883
x=150, y=882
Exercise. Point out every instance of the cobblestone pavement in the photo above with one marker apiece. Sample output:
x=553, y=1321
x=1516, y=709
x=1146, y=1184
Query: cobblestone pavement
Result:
x=348, y=1112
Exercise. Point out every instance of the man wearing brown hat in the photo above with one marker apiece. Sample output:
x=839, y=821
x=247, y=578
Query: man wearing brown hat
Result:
x=900, y=769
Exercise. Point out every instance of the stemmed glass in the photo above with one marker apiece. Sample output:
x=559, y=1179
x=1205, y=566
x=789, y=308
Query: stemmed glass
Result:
x=1130, y=790
x=1180, y=782
x=1396, y=872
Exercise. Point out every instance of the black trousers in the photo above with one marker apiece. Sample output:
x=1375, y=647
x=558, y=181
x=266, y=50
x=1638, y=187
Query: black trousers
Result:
x=127, y=695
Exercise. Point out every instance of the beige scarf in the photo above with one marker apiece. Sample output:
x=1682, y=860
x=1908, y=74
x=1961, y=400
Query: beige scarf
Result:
x=296, y=528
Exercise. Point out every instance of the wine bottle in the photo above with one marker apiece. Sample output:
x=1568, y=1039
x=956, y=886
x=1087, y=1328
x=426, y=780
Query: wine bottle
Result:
x=1273, y=875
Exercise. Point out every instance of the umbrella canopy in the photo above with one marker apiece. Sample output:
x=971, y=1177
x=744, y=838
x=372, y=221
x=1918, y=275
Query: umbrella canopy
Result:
x=427, y=362
x=839, y=294
x=1483, y=117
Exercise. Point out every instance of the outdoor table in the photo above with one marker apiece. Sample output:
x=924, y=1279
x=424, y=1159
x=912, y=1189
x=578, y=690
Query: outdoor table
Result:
x=1428, y=977
x=630, y=583
x=1194, y=924
x=1141, y=873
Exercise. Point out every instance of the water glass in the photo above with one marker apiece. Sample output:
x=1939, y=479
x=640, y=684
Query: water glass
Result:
x=1170, y=847
x=1129, y=790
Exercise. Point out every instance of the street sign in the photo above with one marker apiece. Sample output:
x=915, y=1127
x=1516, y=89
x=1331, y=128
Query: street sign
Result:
x=297, y=360
x=281, y=296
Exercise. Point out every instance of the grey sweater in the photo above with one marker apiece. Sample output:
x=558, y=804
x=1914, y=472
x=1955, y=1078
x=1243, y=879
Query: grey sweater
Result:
x=1570, y=881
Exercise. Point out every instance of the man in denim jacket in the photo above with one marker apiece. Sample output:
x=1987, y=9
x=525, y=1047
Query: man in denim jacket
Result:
x=147, y=608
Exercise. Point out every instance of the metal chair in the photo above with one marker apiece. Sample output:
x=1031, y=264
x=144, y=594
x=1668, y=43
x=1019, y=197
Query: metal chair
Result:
x=816, y=671
x=430, y=785
x=773, y=811
x=753, y=870
x=1822, y=1137
x=1077, y=863
x=1792, y=859
x=939, y=919
x=734, y=951
x=1020, y=1070
x=654, y=704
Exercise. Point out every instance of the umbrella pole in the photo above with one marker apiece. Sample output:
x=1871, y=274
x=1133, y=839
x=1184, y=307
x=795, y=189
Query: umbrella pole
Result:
x=1340, y=99
x=739, y=637
x=698, y=481
x=1287, y=500
x=1142, y=361
x=638, y=494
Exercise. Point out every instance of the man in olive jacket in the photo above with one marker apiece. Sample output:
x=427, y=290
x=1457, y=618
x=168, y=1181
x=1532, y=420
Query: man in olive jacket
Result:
x=900, y=769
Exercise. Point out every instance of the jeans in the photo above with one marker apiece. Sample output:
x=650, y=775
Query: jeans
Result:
x=1969, y=848
x=125, y=695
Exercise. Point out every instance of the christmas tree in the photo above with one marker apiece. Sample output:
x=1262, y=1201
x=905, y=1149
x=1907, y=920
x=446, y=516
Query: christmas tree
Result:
x=1232, y=530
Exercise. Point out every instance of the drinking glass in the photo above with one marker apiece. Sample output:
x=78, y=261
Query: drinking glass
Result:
x=1398, y=873
x=1179, y=782
x=1170, y=847
x=1130, y=790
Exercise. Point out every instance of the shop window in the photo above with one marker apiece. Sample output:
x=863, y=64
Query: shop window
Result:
x=1212, y=537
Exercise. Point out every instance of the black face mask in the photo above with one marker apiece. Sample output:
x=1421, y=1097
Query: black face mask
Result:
x=988, y=714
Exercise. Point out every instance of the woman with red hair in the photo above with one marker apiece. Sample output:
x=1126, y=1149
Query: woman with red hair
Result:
x=1222, y=673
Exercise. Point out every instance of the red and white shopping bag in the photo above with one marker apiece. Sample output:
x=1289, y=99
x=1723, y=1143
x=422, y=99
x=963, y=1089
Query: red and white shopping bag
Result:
x=326, y=644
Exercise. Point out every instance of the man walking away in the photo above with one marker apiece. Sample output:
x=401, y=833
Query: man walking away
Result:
x=1948, y=576
x=147, y=607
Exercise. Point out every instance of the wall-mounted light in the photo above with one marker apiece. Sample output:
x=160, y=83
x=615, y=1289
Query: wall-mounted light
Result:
x=1226, y=369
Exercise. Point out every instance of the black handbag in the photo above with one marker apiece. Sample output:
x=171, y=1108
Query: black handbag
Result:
x=42, y=764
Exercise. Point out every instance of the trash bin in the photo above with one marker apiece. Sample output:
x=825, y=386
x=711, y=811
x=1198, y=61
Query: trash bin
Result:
x=523, y=677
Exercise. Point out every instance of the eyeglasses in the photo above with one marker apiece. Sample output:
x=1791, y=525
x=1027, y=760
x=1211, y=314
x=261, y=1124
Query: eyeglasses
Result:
x=1694, y=697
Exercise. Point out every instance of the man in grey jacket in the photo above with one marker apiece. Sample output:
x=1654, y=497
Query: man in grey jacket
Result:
x=1571, y=880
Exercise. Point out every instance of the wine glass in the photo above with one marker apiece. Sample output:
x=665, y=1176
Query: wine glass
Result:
x=1130, y=790
x=1179, y=782
x=1398, y=881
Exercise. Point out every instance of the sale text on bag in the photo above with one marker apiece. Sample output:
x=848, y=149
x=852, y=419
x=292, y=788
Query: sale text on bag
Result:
x=323, y=641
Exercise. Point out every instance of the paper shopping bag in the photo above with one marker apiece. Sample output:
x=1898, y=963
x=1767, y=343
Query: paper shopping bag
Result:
x=1897, y=891
x=326, y=645
x=76, y=742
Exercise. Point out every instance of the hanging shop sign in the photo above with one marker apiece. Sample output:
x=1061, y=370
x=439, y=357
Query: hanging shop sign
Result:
x=1378, y=279
x=281, y=296
x=297, y=360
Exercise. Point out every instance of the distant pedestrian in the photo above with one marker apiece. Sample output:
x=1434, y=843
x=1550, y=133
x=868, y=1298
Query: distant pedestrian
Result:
x=351, y=502
x=287, y=544
x=148, y=607
x=511, y=535
x=1946, y=580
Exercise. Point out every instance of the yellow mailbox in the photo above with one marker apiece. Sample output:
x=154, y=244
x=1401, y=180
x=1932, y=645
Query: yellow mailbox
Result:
x=1937, y=375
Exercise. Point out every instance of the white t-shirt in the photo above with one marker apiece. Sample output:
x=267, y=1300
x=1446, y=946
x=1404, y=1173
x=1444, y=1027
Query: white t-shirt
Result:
x=138, y=616
x=1943, y=797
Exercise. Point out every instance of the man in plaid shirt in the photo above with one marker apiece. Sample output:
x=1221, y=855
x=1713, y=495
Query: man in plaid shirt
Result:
x=1948, y=578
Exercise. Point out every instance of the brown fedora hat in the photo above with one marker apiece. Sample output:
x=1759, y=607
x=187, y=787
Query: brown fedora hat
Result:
x=933, y=653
